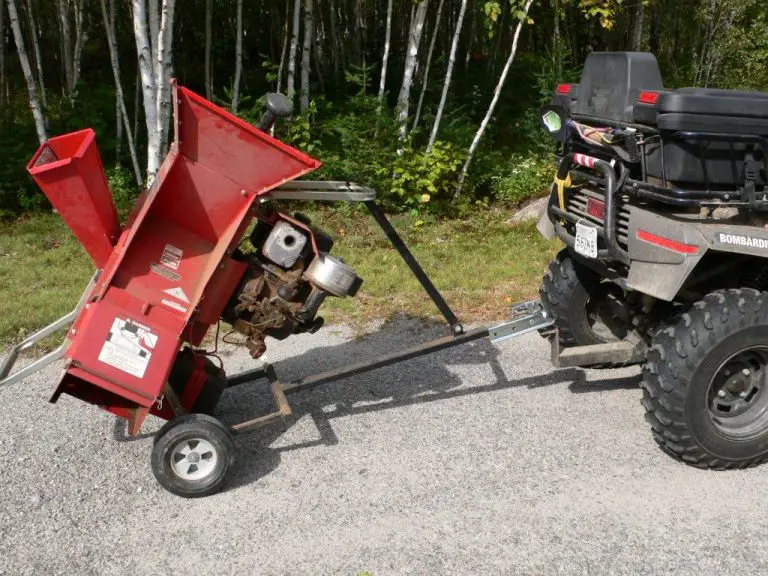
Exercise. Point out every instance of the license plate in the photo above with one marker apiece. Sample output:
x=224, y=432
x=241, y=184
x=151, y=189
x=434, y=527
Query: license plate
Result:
x=586, y=240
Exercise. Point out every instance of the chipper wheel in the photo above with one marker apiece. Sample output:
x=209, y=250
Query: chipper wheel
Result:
x=193, y=455
x=585, y=309
x=705, y=382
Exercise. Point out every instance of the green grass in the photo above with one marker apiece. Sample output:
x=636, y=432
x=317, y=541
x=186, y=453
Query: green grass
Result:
x=480, y=263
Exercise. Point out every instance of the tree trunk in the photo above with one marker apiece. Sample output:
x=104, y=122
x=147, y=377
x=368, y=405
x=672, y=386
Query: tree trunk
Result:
x=109, y=12
x=306, y=53
x=385, y=56
x=403, y=101
x=148, y=86
x=208, y=34
x=122, y=113
x=80, y=38
x=637, y=33
x=34, y=103
x=238, y=57
x=163, y=75
x=290, y=87
x=66, y=50
x=36, y=48
x=425, y=74
x=338, y=40
x=494, y=101
x=154, y=28
x=281, y=67
x=448, y=76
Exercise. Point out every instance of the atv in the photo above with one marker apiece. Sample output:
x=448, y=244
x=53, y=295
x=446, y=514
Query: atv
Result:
x=660, y=199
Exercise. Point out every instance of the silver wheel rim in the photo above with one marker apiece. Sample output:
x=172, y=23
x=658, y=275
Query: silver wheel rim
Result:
x=193, y=459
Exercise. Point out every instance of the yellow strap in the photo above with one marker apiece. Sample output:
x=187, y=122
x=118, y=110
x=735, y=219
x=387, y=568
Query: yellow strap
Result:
x=561, y=186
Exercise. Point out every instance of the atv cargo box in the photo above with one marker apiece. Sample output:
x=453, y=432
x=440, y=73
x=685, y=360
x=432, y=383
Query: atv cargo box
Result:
x=709, y=137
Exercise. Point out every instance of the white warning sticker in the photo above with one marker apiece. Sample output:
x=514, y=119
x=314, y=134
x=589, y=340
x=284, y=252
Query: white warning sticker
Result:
x=173, y=304
x=128, y=347
x=171, y=256
x=177, y=293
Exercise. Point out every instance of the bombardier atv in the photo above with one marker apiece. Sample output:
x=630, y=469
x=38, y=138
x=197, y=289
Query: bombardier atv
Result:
x=660, y=198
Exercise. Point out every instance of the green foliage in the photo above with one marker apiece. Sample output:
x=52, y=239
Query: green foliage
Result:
x=420, y=178
x=524, y=178
x=124, y=189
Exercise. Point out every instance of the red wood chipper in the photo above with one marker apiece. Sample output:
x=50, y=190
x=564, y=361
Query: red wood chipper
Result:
x=178, y=267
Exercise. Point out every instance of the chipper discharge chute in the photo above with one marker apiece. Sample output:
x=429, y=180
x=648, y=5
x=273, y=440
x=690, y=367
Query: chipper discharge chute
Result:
x=180, y=265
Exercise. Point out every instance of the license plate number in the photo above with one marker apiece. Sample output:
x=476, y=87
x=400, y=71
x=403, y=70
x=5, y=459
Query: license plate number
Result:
x=586, y=240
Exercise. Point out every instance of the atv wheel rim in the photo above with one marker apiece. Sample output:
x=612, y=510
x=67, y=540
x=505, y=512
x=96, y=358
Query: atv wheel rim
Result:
x=737, y=397
x=193, y=459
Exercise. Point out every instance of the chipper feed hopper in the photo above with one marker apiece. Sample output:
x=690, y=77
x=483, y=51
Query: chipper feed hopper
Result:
x=182, y=263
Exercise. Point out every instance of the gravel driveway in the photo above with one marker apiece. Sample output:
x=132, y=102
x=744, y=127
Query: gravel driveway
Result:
x=477, y=460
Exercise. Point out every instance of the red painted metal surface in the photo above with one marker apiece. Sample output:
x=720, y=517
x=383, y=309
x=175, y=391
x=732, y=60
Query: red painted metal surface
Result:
x=169, y=274
x=68, y=169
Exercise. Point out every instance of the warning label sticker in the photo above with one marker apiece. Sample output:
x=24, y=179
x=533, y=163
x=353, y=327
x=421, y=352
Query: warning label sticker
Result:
x=128, y=347
x=164, y=272
x=173, y=304
x=171, y=256
x=177, y=293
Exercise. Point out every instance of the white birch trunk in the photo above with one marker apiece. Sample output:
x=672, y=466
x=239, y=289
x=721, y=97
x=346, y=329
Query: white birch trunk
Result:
x=494, y=101
x=34, y=103
x=154, y=26
x=163, y=76
x=122, y=113
x=448, y=76
x=36, y=47
x=425, y=75
x=238, y=57
x=414, y=37
x=385, y=56
x=80, y=38
x=290, y=86
x=146, y=70
x=66, y=49
x=208, y=34
x=281, y=67
x=306, y=53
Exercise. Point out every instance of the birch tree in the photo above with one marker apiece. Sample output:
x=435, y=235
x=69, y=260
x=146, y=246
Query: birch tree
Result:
x=425, y=74
x=146, y=70
x=34, y=103
x=36, y=48
x=637, y=32
x=306, y=53
x=414, y=38
x=80, y=39
x=281, y=67
x=163, y=75
x=208, y=34
x=523, y=16
x=238, y=57
x=385, y=56
x=290, y=86
x=122, y=113
x=66, y=49
x=448, y=76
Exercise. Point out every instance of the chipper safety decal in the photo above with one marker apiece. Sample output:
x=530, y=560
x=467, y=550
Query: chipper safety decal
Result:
x=128, y=347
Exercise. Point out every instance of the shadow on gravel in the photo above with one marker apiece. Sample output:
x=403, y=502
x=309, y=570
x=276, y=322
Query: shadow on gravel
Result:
x=416, y=382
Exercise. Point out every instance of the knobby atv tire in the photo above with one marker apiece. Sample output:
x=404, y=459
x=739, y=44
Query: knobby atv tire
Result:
x=681, y=362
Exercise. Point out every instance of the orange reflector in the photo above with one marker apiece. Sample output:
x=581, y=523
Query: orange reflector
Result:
x=648, y=97
x=678, y=247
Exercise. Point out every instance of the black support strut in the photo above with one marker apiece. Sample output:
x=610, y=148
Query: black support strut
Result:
x=415, y=267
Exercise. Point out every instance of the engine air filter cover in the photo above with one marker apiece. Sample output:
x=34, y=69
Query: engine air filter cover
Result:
x=333, y=276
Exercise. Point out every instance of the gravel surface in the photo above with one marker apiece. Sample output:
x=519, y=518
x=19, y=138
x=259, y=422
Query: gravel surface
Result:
x=476, y=460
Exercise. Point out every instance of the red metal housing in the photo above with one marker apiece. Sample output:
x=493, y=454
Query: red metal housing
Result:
x=169, y=275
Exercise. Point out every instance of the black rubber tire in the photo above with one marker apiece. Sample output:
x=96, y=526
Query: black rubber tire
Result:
x=184, y=428
x=564, y=293
x=680, y=364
